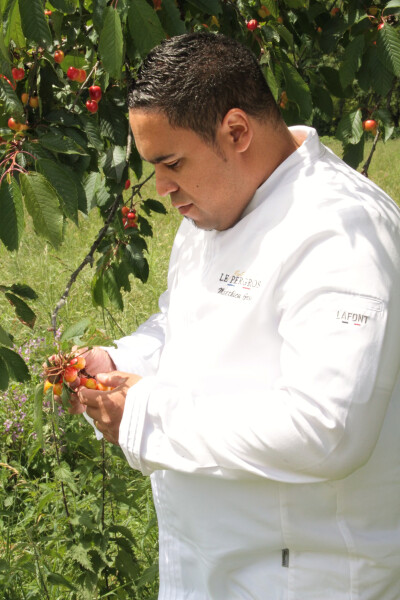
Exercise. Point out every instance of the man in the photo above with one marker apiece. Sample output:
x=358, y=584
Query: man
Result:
x=261, y=399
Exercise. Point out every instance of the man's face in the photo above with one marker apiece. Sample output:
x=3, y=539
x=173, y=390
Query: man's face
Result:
x=204, y=182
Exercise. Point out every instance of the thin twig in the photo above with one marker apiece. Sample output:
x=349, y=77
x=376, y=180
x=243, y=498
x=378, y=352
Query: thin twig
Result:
x=87, y=260
x=368, y=161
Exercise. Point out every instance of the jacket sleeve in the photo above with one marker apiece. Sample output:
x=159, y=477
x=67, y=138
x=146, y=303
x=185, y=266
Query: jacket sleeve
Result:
x=322, y=418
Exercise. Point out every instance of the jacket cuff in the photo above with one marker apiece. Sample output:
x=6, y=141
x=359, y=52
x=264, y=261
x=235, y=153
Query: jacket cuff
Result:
x=131, y=431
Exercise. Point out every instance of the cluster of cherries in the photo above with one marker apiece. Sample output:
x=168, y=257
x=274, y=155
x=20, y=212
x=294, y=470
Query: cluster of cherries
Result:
x=69, y=369
x=129, y=215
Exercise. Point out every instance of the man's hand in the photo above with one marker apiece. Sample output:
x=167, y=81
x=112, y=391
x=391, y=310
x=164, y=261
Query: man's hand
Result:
x=106, y=408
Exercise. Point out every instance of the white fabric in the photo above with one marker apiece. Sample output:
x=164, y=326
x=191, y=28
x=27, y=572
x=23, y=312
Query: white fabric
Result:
x=266, y=416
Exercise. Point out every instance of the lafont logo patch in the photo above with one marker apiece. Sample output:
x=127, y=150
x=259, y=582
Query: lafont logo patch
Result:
x=238, y=285
x=351, y=318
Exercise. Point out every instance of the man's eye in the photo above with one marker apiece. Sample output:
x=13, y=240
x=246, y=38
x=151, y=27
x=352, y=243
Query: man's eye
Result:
x=173, y=165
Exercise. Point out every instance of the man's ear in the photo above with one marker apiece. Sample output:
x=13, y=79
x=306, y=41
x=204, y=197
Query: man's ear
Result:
x=236, y=129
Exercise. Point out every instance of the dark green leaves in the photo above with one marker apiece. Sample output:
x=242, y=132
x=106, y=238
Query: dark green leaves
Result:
x=144, y=26
x=111, y=43
x=11, y=214
x=34, y=24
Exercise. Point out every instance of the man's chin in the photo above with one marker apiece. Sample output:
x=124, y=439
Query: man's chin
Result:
x=197, y=225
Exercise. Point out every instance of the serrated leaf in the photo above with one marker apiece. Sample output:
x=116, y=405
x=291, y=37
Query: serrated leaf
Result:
x=323, y=102
x=58, y=579
x=10, y=99
x=63, y=473
x=4, y=378
x=332, y=80
x=349, y=129
x=99, y=295
x=34, y=24
x=113, y=122
x=5, y=339
x=23, y=290
x=13, y=30
x=111, y=43
x=114, y=162
x=112, y=288
x=386, y=120
x=170, y=18
x=75, y=330
x=144, y=26
x=63, y=183
x=16, y=366
x=92, y=131
x=137, y=262
x=91, y=184
x=297, y=90
x=60, y=144
x=24, y=313
x=42, y=204
x=12, y=221
x=3, y=49
x=210, y=7
x=351, y=61
x=392, y=4
x=389, y=48
x=271, y=81
x=353, y=154
x=155, y=206
x=66, y=6
x=38, y=413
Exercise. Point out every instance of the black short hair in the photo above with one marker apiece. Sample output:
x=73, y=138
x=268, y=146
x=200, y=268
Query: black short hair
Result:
x=196, y=78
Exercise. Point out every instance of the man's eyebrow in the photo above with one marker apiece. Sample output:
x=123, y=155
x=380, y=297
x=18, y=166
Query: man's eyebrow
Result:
x=158, y=159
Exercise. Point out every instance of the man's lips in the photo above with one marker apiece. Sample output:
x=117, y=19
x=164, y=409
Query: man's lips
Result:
x=184, y=208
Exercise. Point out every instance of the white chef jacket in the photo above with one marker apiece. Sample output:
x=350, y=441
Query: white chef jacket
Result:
x=268, y=415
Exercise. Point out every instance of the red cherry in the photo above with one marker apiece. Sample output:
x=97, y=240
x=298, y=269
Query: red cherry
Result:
x=12, y=123
x=70, y=374
x=252, y=24
x=95, y=92
x=18, y=74
x=127, y=184
x=125, y=210
x=58, y=56
x=81, y=75
x=72, y=73
x=370, y=125
x=47, y=13
x=91, y=383
x=131, y=215
x=92, y=106
x=380, y=26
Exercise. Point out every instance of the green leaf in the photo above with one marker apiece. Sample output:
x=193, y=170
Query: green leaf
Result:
x=3, y=48
x=4, y=378
x=351, y=61
x=11, y=101
x=99, y=295
x=323, y=102
x=271, y=81
x=24, y=313
x=42, y=204
x=5, y=339
x=114, y=162
x=210, y=7
x=15, y=365
x=63, y=473
x=34, y=24
x=144, y=26
x=392, y=4
x=170, y=18
x=92, y=131
x=38, y=413
x=389, y=48
x=60, y=144
x=66, y=6
x=112, y=288
x=13, y=32
x=137, y=262
x=11, y=214
x=75, y=330
x=111, y=43
x=61, y=180
x=23, y=290
x=349, y=129
x=297, y=90
x=385, y=118
x=58, y=579
x=91, y=184
x=353, y=154
x=113, y=122
x=155, y=206
x=332, y=80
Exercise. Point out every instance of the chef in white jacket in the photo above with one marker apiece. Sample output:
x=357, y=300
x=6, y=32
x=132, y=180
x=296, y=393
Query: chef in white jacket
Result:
x=262, y=398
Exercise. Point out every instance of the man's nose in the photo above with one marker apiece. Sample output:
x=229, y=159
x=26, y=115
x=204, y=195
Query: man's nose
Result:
x=165, y=184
